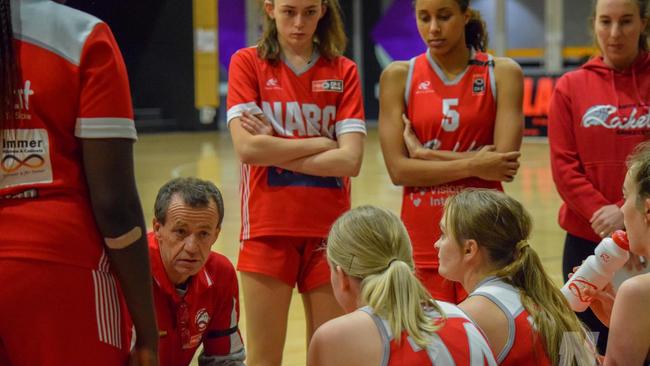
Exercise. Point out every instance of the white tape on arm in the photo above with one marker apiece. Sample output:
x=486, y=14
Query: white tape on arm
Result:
x=124, y=240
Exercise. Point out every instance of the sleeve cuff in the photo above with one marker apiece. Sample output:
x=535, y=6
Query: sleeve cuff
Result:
x=350, y=125
x=237, y=110
x=100, y=128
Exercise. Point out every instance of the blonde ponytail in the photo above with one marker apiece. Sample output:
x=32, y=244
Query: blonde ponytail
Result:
x=372, y=244
x=501, y=226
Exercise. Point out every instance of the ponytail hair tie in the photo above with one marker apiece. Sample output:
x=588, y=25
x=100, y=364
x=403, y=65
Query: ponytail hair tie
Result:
x=522, y=244
x=391, y=262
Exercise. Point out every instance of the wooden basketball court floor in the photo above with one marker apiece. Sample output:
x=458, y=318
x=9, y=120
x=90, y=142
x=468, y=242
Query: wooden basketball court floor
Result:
x=210, y=155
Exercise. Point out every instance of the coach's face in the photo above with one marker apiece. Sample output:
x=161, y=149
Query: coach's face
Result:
x=186, y=238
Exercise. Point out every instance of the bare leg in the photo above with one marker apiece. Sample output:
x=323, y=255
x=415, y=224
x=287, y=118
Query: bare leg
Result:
x=320, y=306
x=266, y=302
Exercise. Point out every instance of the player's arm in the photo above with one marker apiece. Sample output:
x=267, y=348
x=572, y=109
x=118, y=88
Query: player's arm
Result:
x=406, y=171
x=344, y=161
x=418, y=151
x=267, y=150
x=509, y=123
x=222, y=343
x=569, y=175
x=260, y=149
x=629, y=339
x=106, y=131
x=108, y=164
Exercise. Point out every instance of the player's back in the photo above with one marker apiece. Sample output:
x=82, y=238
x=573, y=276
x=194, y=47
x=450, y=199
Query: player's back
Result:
x=524, y=346
x=74, y=86
x=458, y=342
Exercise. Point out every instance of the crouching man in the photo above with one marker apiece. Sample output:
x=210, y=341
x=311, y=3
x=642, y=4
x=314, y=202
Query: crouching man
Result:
x=195, y=290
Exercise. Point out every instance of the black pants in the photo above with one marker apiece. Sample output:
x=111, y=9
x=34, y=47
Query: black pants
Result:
x=575, y=251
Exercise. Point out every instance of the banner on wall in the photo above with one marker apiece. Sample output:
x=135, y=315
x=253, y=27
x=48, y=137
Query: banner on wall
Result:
x=537, y=98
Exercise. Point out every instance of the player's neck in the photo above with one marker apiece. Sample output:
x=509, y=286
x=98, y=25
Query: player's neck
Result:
x=298, y=56
x=473, y=278
x=453, y=62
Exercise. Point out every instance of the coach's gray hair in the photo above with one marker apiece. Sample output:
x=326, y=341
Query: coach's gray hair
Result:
x=195, y=192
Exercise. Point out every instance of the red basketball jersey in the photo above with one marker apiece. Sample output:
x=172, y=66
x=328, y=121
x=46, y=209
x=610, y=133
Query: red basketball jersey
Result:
x=525, y=346
x=453, y=115
x=323, y=100
x=459, y=342
x=74, y=86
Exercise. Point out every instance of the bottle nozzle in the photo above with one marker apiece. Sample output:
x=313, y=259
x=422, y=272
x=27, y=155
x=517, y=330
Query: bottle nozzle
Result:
x=620, y=238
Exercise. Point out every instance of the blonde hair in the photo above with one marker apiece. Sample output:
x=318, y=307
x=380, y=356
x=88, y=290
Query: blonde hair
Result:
x=329, y=38
x=638, y=165
x=501, y=226
x=371, y=243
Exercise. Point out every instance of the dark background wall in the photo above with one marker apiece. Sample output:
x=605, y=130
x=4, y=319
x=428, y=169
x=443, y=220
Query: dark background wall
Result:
x=155, y=37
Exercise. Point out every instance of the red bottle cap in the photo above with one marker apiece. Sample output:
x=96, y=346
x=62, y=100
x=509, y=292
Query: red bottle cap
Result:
x=620, y=238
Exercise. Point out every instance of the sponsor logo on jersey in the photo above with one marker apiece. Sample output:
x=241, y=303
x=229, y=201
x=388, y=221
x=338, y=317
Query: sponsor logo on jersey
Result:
x=327, y=86
x=300, y=120
x=22, y=100
x=202, y=319
x=607, y=116
x=25, y=157
x=478, y=86
x=273, y=83
x=424, y=87
x=30, y=193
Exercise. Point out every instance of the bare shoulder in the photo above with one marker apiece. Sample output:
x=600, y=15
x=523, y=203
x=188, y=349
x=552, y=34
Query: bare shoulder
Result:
x=478, y=307
x=351, y=336
x=636, y=289
x=506, y=63
x=395, y=73
x=507, y=67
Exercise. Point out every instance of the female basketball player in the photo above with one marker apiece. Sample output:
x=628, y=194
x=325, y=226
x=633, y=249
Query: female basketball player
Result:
x=70, y=217
x=527, y=321
x=604, y=103
x=296, y=118
x=626, y=312
x=449, y=118
x=392, y=319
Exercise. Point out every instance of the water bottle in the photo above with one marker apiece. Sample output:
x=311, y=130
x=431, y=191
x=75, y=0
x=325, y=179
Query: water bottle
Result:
x=597, y=270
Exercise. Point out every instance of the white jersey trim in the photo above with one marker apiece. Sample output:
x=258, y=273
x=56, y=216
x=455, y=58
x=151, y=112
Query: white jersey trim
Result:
x=493, y=83
x=54, y=27
x=236, y=111
x=99, y=128
x=245, y=191
x=409, y=80
x=507, y=298
x=107, y=305
x=350, y=125
x=384, y=332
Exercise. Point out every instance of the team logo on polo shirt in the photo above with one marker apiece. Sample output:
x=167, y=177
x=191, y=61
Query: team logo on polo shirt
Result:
x=202, y=319
x=478, y=86
x=327, y=85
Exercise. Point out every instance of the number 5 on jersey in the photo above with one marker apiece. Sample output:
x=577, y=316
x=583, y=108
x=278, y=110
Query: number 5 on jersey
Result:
x=450, y=116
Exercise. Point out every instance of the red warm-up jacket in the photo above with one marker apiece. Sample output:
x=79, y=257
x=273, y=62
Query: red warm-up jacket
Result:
x=596, y=118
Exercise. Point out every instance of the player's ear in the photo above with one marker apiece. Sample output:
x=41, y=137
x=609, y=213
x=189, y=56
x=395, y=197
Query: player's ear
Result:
x=157, y=226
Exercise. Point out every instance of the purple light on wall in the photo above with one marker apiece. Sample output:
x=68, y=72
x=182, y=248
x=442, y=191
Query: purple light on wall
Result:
x=397, y=33
x=232, y=29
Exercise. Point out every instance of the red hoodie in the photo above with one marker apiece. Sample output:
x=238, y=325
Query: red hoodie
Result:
x=597, y=116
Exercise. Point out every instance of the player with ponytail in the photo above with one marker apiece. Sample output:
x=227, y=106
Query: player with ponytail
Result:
x=391, y=316
x=484, y=245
